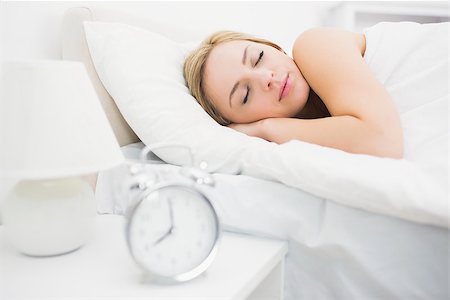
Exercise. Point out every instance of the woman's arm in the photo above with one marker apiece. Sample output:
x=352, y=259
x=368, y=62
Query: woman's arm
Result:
x=347, y=133
x=364, y=118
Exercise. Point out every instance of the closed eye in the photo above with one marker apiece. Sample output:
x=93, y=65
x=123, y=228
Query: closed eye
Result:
x=260, y=57
x=246, y=96
x=261, y=54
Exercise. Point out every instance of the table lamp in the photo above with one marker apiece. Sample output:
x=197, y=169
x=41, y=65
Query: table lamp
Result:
x=53, y=131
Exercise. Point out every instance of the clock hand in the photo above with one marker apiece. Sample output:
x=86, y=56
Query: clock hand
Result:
x=171, y=215
x=159, y=240
x=169, y=232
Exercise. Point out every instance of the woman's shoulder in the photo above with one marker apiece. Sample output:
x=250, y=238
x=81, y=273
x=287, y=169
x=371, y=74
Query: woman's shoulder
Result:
x=319, y=41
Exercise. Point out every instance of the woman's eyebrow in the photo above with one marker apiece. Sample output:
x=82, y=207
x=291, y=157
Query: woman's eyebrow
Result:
x=244, y=57
x=236, y=85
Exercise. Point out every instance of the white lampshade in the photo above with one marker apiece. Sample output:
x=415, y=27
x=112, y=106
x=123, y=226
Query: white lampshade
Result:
x=51, y=122
x=52, y=130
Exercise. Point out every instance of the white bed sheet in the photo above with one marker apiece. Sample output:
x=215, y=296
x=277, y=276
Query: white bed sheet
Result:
x=335, y=251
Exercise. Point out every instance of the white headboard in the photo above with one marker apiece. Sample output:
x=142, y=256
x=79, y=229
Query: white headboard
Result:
x=74, y=47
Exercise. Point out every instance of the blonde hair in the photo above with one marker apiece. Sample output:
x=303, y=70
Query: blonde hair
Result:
x=194, y=67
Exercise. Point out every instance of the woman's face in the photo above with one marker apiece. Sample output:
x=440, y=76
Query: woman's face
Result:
x=248, y=81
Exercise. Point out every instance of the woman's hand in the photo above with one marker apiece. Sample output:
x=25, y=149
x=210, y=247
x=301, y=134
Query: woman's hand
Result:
x=252, y=129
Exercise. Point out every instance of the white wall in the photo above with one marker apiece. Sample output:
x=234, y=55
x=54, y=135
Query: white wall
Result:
x=32, y=29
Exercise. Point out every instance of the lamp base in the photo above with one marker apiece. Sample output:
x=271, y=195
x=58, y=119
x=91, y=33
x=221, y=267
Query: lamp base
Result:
x=49, y=217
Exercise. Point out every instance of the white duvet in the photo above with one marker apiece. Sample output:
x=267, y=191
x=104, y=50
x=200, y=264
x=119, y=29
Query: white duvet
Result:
x=412, y=61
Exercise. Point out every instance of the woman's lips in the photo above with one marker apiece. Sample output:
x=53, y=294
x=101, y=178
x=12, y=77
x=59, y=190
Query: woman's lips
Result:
x=285, y=87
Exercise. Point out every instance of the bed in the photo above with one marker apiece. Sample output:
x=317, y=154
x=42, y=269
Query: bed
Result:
x=338, y=249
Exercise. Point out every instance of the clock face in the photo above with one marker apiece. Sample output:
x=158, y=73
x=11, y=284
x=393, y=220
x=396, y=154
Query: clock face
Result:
x=173, y=231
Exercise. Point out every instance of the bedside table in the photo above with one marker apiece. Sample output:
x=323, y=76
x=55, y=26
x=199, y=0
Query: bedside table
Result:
x=245, y=268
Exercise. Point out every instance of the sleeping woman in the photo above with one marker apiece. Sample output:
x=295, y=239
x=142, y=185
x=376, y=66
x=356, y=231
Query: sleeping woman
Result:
x=325, y=94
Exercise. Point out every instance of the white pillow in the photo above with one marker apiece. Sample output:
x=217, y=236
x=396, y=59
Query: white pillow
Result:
x=143, y=73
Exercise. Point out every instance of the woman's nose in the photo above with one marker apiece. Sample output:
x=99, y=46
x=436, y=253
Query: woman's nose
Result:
x=265, y=78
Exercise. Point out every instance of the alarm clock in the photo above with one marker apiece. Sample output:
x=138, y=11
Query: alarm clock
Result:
x=173, y=229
